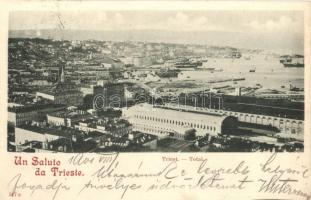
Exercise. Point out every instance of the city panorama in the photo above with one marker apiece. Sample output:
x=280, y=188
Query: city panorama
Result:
x=164, y=83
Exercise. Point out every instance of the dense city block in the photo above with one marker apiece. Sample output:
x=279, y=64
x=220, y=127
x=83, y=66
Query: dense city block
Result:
x=101, y=96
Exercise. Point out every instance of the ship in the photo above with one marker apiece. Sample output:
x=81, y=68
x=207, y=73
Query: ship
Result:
x=187, y=64
x=292, y=61
x=236, y=54
x=205, y=68
x=168, y=73
x=293, y=64
x=239, y=79
x=285, y=58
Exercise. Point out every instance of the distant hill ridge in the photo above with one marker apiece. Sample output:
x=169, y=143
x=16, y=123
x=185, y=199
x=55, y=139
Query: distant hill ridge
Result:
x=288, y=41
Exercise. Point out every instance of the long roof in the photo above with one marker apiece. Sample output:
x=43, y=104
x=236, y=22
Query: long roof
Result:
x=175, y=114
x=34, y=107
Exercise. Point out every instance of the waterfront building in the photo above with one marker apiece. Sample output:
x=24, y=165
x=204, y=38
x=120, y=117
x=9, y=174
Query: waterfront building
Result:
x=164, y=121
x=288, y=128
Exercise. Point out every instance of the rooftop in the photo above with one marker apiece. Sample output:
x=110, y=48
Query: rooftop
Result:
x=70, y=114
x=61, y=88
x=34, y=107
x=61, y=142
x=171, y=113
x=59, y=131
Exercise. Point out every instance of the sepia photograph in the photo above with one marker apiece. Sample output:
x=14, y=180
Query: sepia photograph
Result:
x=143, y=99
x=155, y=81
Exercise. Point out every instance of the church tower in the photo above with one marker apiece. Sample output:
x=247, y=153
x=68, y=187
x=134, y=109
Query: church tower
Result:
x=62, y=75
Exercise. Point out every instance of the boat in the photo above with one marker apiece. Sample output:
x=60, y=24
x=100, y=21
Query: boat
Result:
x=236, y=54
x=239, y=79
x=185, y=63
x=285, y=58
x=168, y=73
x=295, y=89
x=293, y=64
x=253, y=69
x=205, y=69
x=258, y=85
x=292, y=61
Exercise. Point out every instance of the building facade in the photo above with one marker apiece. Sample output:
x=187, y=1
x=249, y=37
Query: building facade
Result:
x=23, y=114
x=164, y=121
x=110, y=95
x=67, y=118
x=63, y=92
x=24, y=135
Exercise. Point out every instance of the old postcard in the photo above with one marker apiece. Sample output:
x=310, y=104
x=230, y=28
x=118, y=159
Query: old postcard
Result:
x=155, y=100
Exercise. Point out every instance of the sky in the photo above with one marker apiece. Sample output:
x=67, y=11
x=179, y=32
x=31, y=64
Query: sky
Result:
x=233, y=21
x=255, y=28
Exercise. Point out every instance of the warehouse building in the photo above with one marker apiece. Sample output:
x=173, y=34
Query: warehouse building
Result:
x=164, y=121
